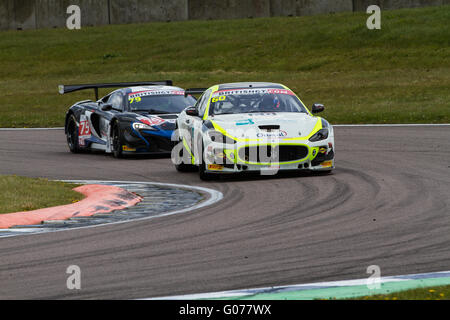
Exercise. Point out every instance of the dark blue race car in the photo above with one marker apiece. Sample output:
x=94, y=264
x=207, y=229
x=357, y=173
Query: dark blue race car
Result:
x=139, y=118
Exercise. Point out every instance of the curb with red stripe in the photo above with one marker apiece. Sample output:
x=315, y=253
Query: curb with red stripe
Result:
x=98, y=199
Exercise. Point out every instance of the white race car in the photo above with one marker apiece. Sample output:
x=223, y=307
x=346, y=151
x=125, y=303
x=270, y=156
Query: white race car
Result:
x=257, y=126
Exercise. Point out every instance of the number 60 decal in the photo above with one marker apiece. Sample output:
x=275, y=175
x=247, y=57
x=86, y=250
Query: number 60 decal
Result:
x=221, y=98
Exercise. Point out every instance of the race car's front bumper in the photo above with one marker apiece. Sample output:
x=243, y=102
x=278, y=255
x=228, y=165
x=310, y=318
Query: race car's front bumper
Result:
x=147, y=142
x=269, y=156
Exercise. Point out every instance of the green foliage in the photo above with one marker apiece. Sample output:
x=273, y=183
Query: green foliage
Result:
x=399, y=74
x=25, y=194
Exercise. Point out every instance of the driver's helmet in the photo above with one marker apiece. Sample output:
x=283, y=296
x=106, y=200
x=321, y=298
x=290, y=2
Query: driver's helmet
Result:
x=270, y=102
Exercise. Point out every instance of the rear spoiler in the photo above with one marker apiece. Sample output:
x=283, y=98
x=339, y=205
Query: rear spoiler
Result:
x=194, y=91
x=77, y=87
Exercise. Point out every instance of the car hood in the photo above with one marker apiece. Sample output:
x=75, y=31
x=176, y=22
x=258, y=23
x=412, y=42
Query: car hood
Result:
x=265, y=125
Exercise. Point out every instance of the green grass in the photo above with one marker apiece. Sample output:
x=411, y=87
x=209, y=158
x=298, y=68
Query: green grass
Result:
x=25, y=194
x=432, y=293
x=399, y=74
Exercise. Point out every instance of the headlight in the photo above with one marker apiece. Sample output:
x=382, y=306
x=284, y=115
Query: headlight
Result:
x=217, y=136
x=322, y=134
x=142, y=126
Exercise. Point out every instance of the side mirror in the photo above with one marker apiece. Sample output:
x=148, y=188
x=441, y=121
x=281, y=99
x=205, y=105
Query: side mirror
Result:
x=192, y=111
x=317, y=107
x=106, y=107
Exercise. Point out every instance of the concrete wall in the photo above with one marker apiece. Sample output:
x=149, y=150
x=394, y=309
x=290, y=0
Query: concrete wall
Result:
x=53, y=13
x=228, y=9
x=312, y=7
x=308, y=7
x=135, y=11
x=17, y=14
x=6, y=14
x=361, y=5
x=32, y=14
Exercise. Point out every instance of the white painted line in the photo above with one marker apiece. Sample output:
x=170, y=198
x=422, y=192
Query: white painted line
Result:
x=299, y=287
x=214, y=196
x=395, y=125
x=21, y=230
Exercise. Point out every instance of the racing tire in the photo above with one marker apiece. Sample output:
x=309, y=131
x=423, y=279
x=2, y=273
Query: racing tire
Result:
x=182, y=167
x=204, y=175
x=72, y=135
x=117, y=141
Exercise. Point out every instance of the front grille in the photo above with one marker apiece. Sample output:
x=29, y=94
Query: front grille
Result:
x=270, y=127
x=156, y=143
x=278, y=153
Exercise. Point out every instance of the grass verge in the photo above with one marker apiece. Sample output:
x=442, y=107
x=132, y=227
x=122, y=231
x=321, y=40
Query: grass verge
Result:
x=399, y=74
x=432, y=293
x=26, y=194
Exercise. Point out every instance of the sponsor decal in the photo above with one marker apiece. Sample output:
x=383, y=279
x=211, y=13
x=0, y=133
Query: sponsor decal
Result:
x=215, y=167
x=280, y=133
x=280, y=91
x=145, y=93
x=245, y=122
x=84, y=130
x=327, y=164
x=262, y=114
x=251, y=91
x=126, y=148
x=151, y=121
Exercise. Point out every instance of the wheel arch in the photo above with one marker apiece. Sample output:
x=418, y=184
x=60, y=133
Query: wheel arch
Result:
x=68, y=115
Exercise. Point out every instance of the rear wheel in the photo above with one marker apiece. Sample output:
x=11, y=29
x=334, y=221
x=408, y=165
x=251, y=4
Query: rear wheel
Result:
x=72, y=135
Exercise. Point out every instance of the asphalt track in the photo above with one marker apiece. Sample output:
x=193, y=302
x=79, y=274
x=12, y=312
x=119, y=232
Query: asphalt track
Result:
x=386, y=204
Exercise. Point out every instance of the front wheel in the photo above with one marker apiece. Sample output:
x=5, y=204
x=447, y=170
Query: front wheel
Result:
x=183, y=167
x=204, y=175
x=117, y=141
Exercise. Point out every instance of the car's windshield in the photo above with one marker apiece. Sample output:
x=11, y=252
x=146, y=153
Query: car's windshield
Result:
x=167, y=103
x=254, y=100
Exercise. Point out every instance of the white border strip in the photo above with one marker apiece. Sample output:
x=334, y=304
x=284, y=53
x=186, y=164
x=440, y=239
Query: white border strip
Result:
x=394, y=125
x=299, y=287
x=215, y=196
